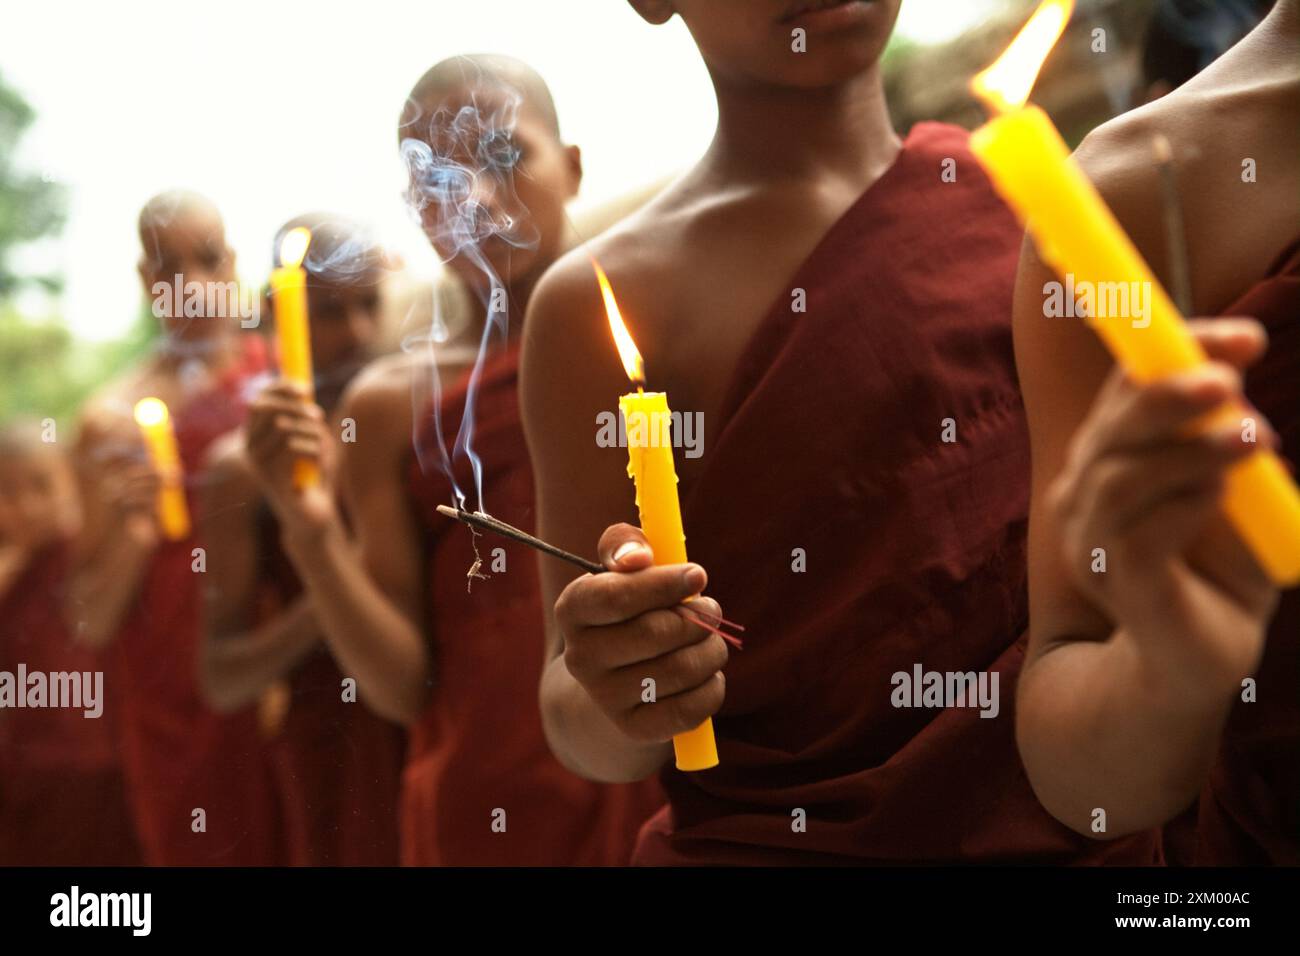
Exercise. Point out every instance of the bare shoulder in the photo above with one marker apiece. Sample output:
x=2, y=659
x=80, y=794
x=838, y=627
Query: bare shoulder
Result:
x=380, y=406
x=379, y=398
x=639, y=254
x=1222, y=137
x=230, y=490
x=566, y=327
x=1120, y=157
x=226, y=465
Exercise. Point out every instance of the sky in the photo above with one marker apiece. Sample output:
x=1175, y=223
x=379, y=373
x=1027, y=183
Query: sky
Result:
x=275, y=107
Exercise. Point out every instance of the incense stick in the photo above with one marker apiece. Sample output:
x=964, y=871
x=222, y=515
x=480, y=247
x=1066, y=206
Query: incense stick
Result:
x=477, y=520
x=1180, y=280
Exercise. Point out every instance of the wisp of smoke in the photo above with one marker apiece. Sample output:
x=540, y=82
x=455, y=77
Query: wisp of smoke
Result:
x=461, y=165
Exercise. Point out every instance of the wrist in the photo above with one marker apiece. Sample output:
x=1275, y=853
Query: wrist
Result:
x=306, y=540
x=1173, y=679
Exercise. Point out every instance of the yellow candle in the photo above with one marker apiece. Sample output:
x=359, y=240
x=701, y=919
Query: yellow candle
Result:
x=1078, y=236
x=650, y=466
x=156, y=426
x=289, y=288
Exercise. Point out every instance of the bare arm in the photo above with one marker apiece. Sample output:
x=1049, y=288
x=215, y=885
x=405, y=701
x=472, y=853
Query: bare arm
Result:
x=1131, y=670
x=116, y=542
x=238, y=663
x=368, y=593
x=603, y=634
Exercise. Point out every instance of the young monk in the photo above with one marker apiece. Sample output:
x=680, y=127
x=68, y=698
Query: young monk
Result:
x=836, y=309
x=1133, y=698
x=490, y=176
x=335, y=765
x=62, y=801
x=197, y=783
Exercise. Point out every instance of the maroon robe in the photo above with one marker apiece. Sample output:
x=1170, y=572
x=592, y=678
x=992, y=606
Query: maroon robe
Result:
x=831, y=441
x=179, y=756
x=479, y=747
x=336, y=767
x=62, y=797
x=1250, y=809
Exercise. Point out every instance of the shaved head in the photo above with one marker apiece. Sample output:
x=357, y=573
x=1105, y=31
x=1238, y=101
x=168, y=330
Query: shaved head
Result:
x=342, y=249
x=479, y=70
x=172, y=206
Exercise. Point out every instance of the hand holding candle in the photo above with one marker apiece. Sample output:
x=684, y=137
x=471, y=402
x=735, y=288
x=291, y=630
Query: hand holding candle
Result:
x=152, y=416
x=650, y=466
x=1078, y=236
x=289, y=289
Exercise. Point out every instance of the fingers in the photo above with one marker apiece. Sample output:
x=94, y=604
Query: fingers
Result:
x=596, y=650
x=284, y=425
x=130, y=484
x=286, y=390
x=681, y=670
x=1128, y=415
x=652, y=671
x=623, y=547
x=1238, y=342
x=597, y=600
x=674, y=715
x=1144, y=475
x=1123, y=486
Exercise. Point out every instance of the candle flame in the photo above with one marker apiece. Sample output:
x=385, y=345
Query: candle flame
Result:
x=293, y=247
x=150, y=412
x=627, y=350
x=1006, y=84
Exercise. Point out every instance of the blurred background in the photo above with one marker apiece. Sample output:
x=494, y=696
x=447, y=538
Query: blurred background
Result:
x=273, y=109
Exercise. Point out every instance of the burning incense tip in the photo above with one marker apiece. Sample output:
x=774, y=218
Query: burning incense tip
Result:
x=1164, y=152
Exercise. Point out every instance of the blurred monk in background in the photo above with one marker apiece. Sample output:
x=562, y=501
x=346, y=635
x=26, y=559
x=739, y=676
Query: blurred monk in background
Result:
x=197, y=783
x=489, y=177
x=335, y=764
x=62, y=799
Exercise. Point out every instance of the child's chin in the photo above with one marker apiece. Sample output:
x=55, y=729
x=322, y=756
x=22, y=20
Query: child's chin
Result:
x=833, y=69
x=506, y=262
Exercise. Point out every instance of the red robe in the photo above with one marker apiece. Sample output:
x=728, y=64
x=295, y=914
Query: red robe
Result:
x=62, y=798
x=831, y=449
x=479, y=748
x=1250, y=809
x=335, y=766
x=179, y=756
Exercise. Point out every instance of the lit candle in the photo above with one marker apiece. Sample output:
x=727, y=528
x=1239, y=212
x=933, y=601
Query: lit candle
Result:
x=156, y=426
x=289, y=288
x=650, y=466
x=1077, y=235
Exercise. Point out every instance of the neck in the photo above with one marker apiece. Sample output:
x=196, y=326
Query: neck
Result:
x=212, y=351
x=1282, y=22
x=770, y=133
x=519, y=290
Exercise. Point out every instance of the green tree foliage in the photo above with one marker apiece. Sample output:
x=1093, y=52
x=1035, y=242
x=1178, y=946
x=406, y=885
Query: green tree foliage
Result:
x=44, y=370
x=30, y=207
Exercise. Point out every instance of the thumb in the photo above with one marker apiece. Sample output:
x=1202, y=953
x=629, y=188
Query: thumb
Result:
x=1238, y=342
x=624, y=548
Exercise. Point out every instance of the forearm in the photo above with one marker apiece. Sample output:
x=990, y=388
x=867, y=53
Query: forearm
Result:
x=238, y=667
x=583, y=738
x=1100, y=727
x=371, y=638
x=103, y=587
